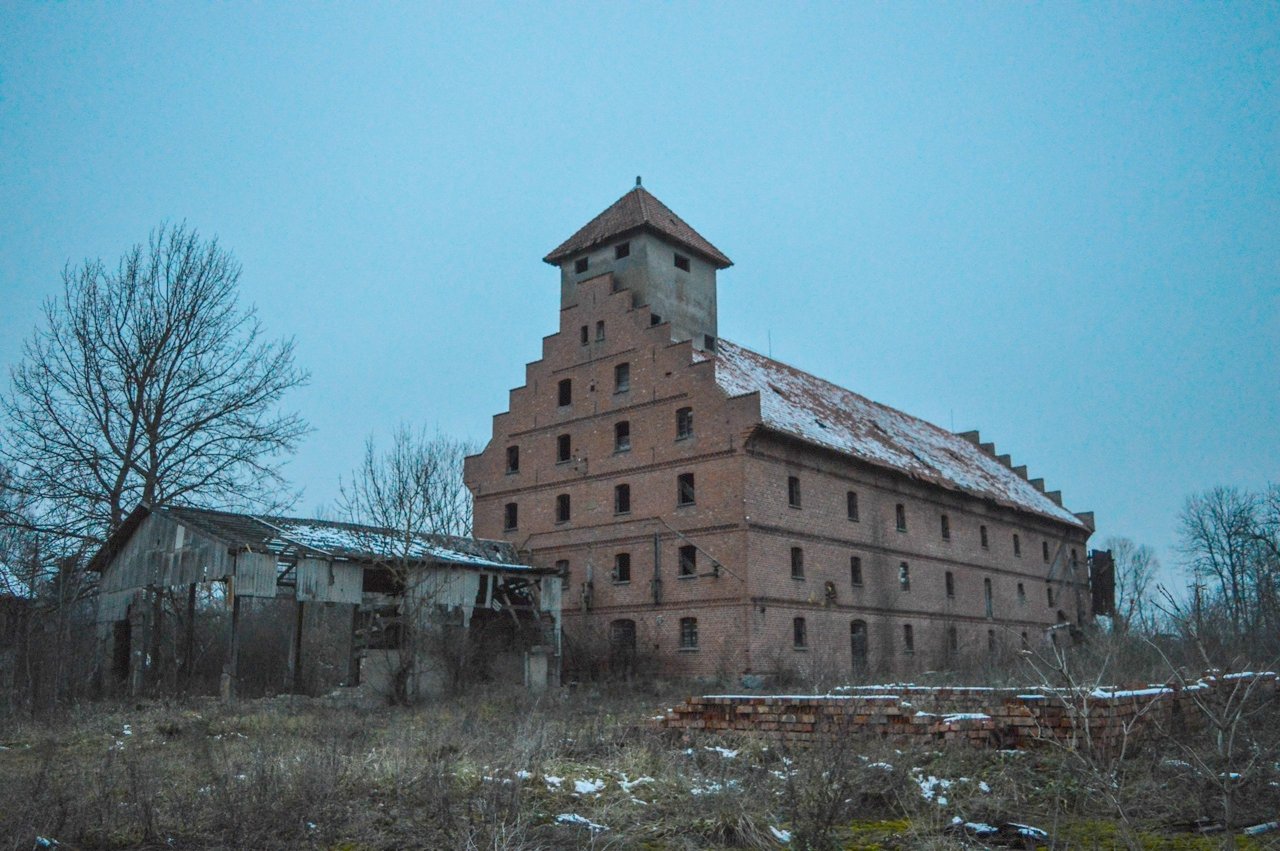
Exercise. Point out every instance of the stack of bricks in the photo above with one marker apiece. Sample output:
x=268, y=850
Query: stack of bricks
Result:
x=1103, y=719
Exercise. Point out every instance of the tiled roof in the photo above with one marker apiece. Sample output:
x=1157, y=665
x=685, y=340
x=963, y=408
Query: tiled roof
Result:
x=804, y=406
x=636, y=210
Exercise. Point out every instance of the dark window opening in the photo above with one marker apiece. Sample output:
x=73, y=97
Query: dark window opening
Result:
x=563, y=449
x=513, y=459
x=1026, y=642
x=562, y=570
x=600, y=331
x=858, y=645
x=622, y=378
x=622, y=567
x=1048, y=593
x=562, y=508
x=1044, y=550
x=946, y=528
x=855, y=571
x=987, y=598
x=510, y=516
x=622, y=249
x=851, y=505
x=799, y=633
x=1017, y=546
x=684, y=489
x=684, y=423
x=908, y=639
x=797, y=563
x=982, y=536
x=991, y=641
x=580, y=265
x=622, y=640
x=710, y=342
x=585, y=335
x=564, y=393
x=953, y=639
x=793, y=491
x=688, y=633
x=904, y=576
x=682, y=262
x=900, y=514
x=689, y=560
x=1022, y=593
x=950, y=580
x=654, y=319
x=621, y=436
x=622, y=499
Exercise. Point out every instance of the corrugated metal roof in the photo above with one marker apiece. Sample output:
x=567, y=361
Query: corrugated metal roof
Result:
x=804, y=406
x=636, y=210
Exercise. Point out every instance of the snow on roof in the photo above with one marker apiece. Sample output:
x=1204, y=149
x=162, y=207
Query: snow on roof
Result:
x=814, y=410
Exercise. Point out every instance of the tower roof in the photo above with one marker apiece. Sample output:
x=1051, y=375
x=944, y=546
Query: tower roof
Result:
x=638, y=210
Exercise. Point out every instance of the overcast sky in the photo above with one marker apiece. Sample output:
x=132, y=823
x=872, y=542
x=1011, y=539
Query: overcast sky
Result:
x=1059, y=224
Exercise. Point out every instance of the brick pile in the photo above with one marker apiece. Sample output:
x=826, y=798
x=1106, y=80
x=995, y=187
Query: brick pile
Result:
x=1104, y=719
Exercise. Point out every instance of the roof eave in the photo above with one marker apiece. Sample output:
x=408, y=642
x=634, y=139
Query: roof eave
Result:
x=719, y=260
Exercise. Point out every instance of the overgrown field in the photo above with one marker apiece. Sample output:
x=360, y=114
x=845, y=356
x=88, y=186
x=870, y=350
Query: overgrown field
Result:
x=580, y=769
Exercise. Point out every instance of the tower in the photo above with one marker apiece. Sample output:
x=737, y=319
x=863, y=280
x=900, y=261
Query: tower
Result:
x=654, y=254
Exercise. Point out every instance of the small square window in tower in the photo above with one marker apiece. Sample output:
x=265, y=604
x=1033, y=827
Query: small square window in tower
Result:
x=684, y=423
x=793, y=491
x=622, y=567
x=908, y=639
x=904, y=576
x=622, y=249
x=900, y=516
x=682, y=262
x=950, y=581
x=622, y=499
x=688, y=633
x=684, y=489
x=855, y=571
x=797, y=563
x=564, y=392
x=799, y=633
x=946, y=528
x=622, y=378
x=563, y=449
x=562, y=508
x=510, y=516
x=513, y=459
x=688, y=560
x=851, y=505
x=622, y=436
x=580, y=265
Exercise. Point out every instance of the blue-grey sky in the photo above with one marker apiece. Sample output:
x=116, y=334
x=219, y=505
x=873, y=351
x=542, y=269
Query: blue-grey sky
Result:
x=1057, y=223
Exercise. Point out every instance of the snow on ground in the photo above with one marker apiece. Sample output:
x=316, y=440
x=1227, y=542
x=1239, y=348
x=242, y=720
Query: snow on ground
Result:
x=574, y=818
x=779, y=834
x=588, y=787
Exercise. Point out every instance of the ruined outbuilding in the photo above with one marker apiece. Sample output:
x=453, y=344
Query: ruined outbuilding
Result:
x=390, y=611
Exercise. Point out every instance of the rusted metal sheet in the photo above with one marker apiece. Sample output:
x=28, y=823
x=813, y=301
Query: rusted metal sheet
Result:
x=324, y=581
x=255, y=575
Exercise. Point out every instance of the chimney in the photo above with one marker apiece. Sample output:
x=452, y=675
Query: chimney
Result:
x=972, y=436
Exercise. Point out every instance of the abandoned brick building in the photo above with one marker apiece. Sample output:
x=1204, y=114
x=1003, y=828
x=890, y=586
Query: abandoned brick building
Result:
x=719, y=512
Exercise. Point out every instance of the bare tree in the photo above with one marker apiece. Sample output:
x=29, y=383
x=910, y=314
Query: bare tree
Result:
x=1217, y=537
x=1136, y=567
x=148, y=383
x=412, y=490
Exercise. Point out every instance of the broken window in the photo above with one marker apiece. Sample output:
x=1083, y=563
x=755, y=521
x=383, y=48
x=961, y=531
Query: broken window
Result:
x=684, y=423
x=580, y=265
x=684, y=489
x=622, y=567
x=563, y=448
x=565, y=392
x=622, y=378
x=900, y=515
x=621, y=436
x=513, y=459
x=562, y=508
x=688, y=560
x=799, y=633
x=688, y=633
x=908, y=639
x=682, y=262
x=950, y=581
x=622, y=499
x=851, y=505
x=797, y=563
x=904, y=576
x=509, y=516
x=855, y=570
x=946, y=528
x=793, y=491
x=622, y=249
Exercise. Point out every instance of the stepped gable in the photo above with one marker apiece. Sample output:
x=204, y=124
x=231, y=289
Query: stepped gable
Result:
x=637, y=210
x=816, y=411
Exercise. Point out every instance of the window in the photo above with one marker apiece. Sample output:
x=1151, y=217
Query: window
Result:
x=510, y=516
x=851, y=505
x=622, y=249
x=622, y=637
x=1074, y=559
x=684, y=489
x=564, y=393
x=580, y=265
x=855, y=571
x=682, y=262
x=1044, y=550
x=654, y=319
x=799, y=633
x=797, y=563
x=982, y=536
x=904, y=576
x=1022, y=593
x=951, y=585
x=585, y=335
x=900, y=512
x=600, y=331
x=622, y=499
x=688, y=560
x=1048, y=594
x=562, y=508
x=1026, y=642
x=709, y=342
x=622, y=436
x=793, y=491
x=513, y=459
x=622, y=378
x=991, y=641
x=908, y=639
x=946, y=528
x=563, y=448
x=1017, y=545
x=953, y=639
x=562, y=570
x=858, y=645
x=684, y=423
x=688, y=633
x=622, y=567
x=987, y=598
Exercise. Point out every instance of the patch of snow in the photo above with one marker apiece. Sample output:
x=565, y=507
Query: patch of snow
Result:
x=587, y=787
x=964, y=716
x=552, y=781
x=1029, y=831
x=45, y=842
x=574, y=818
x=724, y=752
x=523, y=775
x=983, y=787
x=779, y=834
x=628, y=785
x=881, y=765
